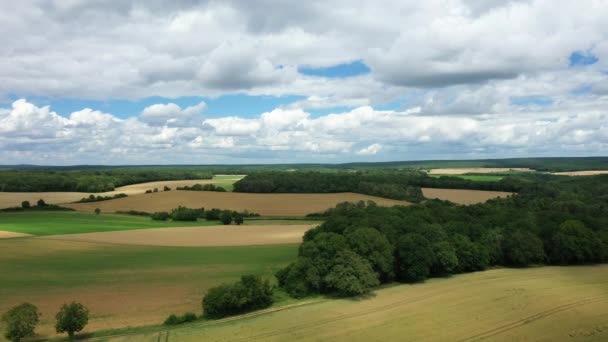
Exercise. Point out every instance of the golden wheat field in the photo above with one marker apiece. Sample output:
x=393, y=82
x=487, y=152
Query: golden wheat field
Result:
x=207, y=236
x=534, y=304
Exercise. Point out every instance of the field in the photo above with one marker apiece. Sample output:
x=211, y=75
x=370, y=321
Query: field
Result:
x=581, y=173
x=477, y=178
x=12, y=199
x=53, y=223
x=463, y=196
x=123, y=285
x=264, y=204
x=461, y=171
x=197, y=236
x=537, y=304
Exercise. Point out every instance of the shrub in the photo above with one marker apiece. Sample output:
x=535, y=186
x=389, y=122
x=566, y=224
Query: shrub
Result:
x=160, y=216
x=148, y=191
x=71, y=318
x=213, y=214
x=97, y=211
x=21, y=321
x=248, y=294
x=185, y=318
x=41, y=203
x=238, y=219
x=226, y=217
x=134, y=213
x=155, y=189
x=166, y=188
x=185, y=214
x=25, y=204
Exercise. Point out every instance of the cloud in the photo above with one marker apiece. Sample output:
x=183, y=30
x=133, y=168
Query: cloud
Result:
x=370, y=150
x=32, y=134
x=171, y=114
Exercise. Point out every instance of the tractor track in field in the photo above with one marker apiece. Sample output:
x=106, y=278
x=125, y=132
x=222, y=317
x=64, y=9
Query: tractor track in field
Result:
x=538, y=316
x=359, y=313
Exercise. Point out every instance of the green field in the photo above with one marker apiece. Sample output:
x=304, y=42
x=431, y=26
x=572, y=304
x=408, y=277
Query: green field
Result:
x=477, y=178
x=52, y=223
x=226, y=181
x=534, y=304
x=123, y=285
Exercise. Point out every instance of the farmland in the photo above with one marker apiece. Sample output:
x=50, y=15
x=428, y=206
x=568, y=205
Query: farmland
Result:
x=465, y=170
x=197, y=236
x=53, y=223
x=123, y=285
x=478, y=178
x=463, y=196
x=12, y=199
x=264, y=204
x=536, y=304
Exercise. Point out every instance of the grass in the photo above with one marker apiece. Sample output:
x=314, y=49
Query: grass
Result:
x=53, y=223
x=228, y=177
x=124, y=285
x=477, y=178
x=540, y=304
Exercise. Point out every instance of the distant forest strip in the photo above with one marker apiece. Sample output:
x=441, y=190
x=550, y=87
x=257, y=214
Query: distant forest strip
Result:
x=540, y=164
x=400, y=185
x=90, y=180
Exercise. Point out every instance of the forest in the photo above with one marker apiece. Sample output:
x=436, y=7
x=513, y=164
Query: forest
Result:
x=90, y=180
x=556, y=222
x=395, y=184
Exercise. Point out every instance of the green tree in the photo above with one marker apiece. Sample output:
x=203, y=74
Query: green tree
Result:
x=471, y=255
x=25, y=204
x=351, y=275
x=572, y=243
x=97, y=211
x=238, y=219
x=414, y=257
x=41, y=203
x=374, y=247
x=250, y=293
x=300, y=278
x=71, y=318
x=226, y=217
x=20, y=321
x=446, y=260
x=522, y=248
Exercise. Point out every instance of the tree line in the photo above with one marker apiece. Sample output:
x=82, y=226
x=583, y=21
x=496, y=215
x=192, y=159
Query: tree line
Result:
x=21, y=320
x=400, y=185
x=361, y=245
x=90, y=180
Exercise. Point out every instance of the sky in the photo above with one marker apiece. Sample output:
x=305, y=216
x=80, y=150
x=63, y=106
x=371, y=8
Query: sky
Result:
x=261, y=81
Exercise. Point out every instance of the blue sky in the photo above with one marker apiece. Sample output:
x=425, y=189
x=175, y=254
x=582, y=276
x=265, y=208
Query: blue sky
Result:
x=315, y=81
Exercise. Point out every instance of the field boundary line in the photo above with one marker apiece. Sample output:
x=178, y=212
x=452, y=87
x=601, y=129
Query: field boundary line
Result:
x=162, y=329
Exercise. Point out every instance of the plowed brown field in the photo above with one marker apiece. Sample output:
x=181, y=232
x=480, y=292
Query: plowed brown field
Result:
x=264, y=204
